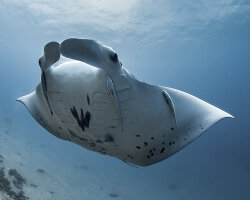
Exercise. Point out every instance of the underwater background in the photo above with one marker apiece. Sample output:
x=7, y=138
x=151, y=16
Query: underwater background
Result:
x=200, y=47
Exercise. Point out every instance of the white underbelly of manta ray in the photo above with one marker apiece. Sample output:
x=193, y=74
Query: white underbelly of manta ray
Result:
x=87, y=97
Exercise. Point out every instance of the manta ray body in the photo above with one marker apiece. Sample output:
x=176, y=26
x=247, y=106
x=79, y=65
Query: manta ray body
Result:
x=87, y=97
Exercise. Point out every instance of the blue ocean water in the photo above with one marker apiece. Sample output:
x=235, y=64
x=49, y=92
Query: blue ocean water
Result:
x=202, y=48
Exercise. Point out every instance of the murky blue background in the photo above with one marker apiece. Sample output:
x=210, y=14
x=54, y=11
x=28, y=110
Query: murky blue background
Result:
x=201, y=47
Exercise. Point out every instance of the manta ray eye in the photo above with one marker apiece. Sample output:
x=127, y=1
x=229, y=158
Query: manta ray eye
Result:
x=39, y=62
x=113, y=57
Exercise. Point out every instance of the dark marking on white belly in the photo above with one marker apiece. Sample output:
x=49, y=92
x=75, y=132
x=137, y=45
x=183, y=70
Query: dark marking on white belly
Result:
x=84, y=120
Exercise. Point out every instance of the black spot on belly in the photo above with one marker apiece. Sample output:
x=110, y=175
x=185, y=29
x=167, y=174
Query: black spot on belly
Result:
x=83, y=139
x=109, y=138
x=87, y=117
x=145, y=143
x=152, y=138
x=92, y=144
x=84, y=120
x=162, y=150
x=172, y=128
x=170, y=143
x=138, y=135
x=76, y=136
x=88, y=99
x=138, y=147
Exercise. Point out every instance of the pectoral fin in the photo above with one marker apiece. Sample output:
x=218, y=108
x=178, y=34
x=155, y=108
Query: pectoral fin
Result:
x=194, y=116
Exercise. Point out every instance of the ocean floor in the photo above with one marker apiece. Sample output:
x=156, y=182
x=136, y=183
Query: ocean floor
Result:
x=33, y=168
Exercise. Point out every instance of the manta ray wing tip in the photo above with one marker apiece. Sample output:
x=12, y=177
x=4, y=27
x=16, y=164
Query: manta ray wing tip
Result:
x=19, y=99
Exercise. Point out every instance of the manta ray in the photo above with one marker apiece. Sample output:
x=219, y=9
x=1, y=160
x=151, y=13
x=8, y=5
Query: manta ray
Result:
x=87, y=97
